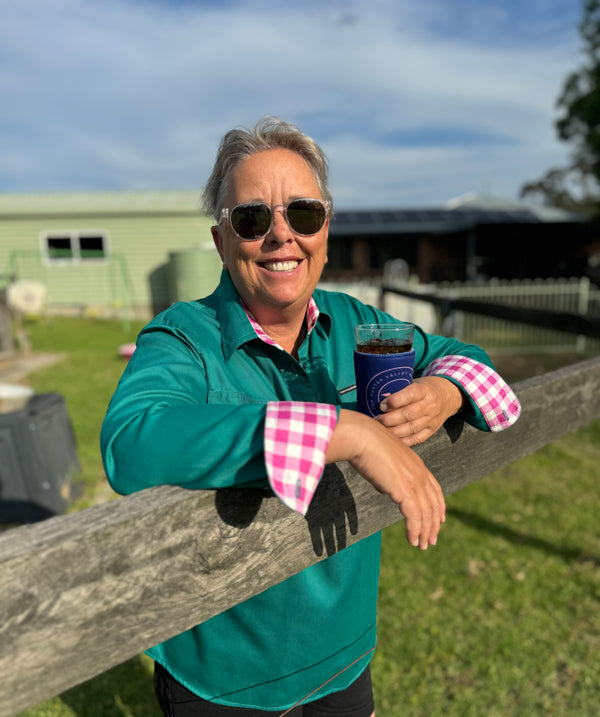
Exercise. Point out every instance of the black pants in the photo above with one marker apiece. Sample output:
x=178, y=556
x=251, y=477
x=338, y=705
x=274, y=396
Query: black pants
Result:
x=177, y=701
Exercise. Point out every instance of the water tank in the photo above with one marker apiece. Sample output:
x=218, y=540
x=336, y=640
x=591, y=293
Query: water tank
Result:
x=193, y=273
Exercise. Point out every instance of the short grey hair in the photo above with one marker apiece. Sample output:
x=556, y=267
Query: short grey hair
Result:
x=268, y=133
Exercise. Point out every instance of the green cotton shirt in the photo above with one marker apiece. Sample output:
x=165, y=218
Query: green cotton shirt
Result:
x=189, y=410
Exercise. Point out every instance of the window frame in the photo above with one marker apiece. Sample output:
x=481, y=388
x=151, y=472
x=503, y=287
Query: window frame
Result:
x=74, y=236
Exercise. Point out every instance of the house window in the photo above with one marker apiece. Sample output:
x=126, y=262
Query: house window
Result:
x=74, y=247
x=91, y=246
x=59, y=247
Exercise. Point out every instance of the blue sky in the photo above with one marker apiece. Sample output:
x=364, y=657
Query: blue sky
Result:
x=414, y=101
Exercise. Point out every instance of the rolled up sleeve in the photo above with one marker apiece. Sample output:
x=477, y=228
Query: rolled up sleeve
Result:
x=496, y=401
x=296, y=438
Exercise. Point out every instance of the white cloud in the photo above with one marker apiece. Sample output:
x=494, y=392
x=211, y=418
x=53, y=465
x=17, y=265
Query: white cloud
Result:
x=133, y=94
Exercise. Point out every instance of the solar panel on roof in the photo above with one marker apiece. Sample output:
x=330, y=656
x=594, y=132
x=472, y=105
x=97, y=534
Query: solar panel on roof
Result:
x=442, y=217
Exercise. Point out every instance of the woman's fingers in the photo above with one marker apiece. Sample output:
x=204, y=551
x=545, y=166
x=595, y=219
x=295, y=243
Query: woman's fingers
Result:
x=419, y=410
x=423, y=522
x=394, y=469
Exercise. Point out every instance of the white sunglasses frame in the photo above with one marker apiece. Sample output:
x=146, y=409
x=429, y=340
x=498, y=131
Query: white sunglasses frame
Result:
x=226, y=213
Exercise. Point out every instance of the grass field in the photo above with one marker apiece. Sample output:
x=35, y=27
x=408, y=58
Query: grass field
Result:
x=501, y=618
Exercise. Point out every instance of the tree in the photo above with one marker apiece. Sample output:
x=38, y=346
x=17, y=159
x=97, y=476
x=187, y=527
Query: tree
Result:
x=577, y=186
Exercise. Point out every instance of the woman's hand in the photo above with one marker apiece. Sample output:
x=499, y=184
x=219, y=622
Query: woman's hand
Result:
x=394, y=469
x=419, y=410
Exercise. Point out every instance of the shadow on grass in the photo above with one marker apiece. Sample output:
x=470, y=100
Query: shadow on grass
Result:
x=123, y=691
x=569, y=555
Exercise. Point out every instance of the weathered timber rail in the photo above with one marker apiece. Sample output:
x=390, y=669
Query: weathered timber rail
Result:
x=84, y=592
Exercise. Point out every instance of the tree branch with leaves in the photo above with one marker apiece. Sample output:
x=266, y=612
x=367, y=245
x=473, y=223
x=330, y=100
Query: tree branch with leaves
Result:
x=577, y=186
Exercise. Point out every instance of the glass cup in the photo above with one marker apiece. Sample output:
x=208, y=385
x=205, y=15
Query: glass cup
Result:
x=384, y=338
x=384, y=362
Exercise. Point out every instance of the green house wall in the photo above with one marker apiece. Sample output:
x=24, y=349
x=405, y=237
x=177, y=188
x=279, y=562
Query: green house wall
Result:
x=155, y=254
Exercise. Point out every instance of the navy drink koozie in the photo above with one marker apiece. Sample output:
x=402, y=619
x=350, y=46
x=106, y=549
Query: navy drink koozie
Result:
x=384, y=363
x=378, y=376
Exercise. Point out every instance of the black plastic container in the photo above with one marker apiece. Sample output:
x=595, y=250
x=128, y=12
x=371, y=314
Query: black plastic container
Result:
x=38, y=457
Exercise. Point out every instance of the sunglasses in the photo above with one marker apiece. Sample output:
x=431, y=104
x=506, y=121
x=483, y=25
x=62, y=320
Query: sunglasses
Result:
x=254, y=220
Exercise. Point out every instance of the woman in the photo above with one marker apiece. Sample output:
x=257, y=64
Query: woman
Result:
x=213, y=397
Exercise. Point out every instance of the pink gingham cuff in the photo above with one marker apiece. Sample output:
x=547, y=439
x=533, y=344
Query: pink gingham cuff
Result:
x=494, y=398
x=296, y=439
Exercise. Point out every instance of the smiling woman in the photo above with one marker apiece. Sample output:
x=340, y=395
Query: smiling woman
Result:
x=277, y=274
x=245, y=388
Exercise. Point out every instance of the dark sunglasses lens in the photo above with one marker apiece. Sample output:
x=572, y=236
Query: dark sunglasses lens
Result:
x=251, y=221
x=306, y=216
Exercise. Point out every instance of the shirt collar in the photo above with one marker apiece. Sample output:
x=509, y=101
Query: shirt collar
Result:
x=312, y=316
x=238, y=326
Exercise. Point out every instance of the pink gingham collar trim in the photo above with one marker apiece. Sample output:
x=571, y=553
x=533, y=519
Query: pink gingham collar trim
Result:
x=312, y=316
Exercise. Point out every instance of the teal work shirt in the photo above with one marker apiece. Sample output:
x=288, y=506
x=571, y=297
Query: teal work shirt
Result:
x=189, y=410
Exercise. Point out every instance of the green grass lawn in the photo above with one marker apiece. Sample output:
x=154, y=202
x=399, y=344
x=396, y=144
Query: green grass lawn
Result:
x=501, y=618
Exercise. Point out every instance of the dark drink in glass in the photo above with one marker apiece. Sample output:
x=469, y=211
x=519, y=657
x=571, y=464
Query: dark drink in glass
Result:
x=383, y=361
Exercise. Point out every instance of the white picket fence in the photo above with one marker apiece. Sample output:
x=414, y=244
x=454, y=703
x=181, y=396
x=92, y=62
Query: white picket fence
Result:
x=575, y=295
x=571, y=295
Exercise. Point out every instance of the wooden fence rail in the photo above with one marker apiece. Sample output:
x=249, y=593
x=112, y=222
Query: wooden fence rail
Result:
x=581, y=324
x=84, y=592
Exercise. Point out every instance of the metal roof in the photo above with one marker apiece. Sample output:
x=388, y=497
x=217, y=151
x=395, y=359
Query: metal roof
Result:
x=435, y=221
x=80, y=203
x=543, y=212
x=459, y=214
